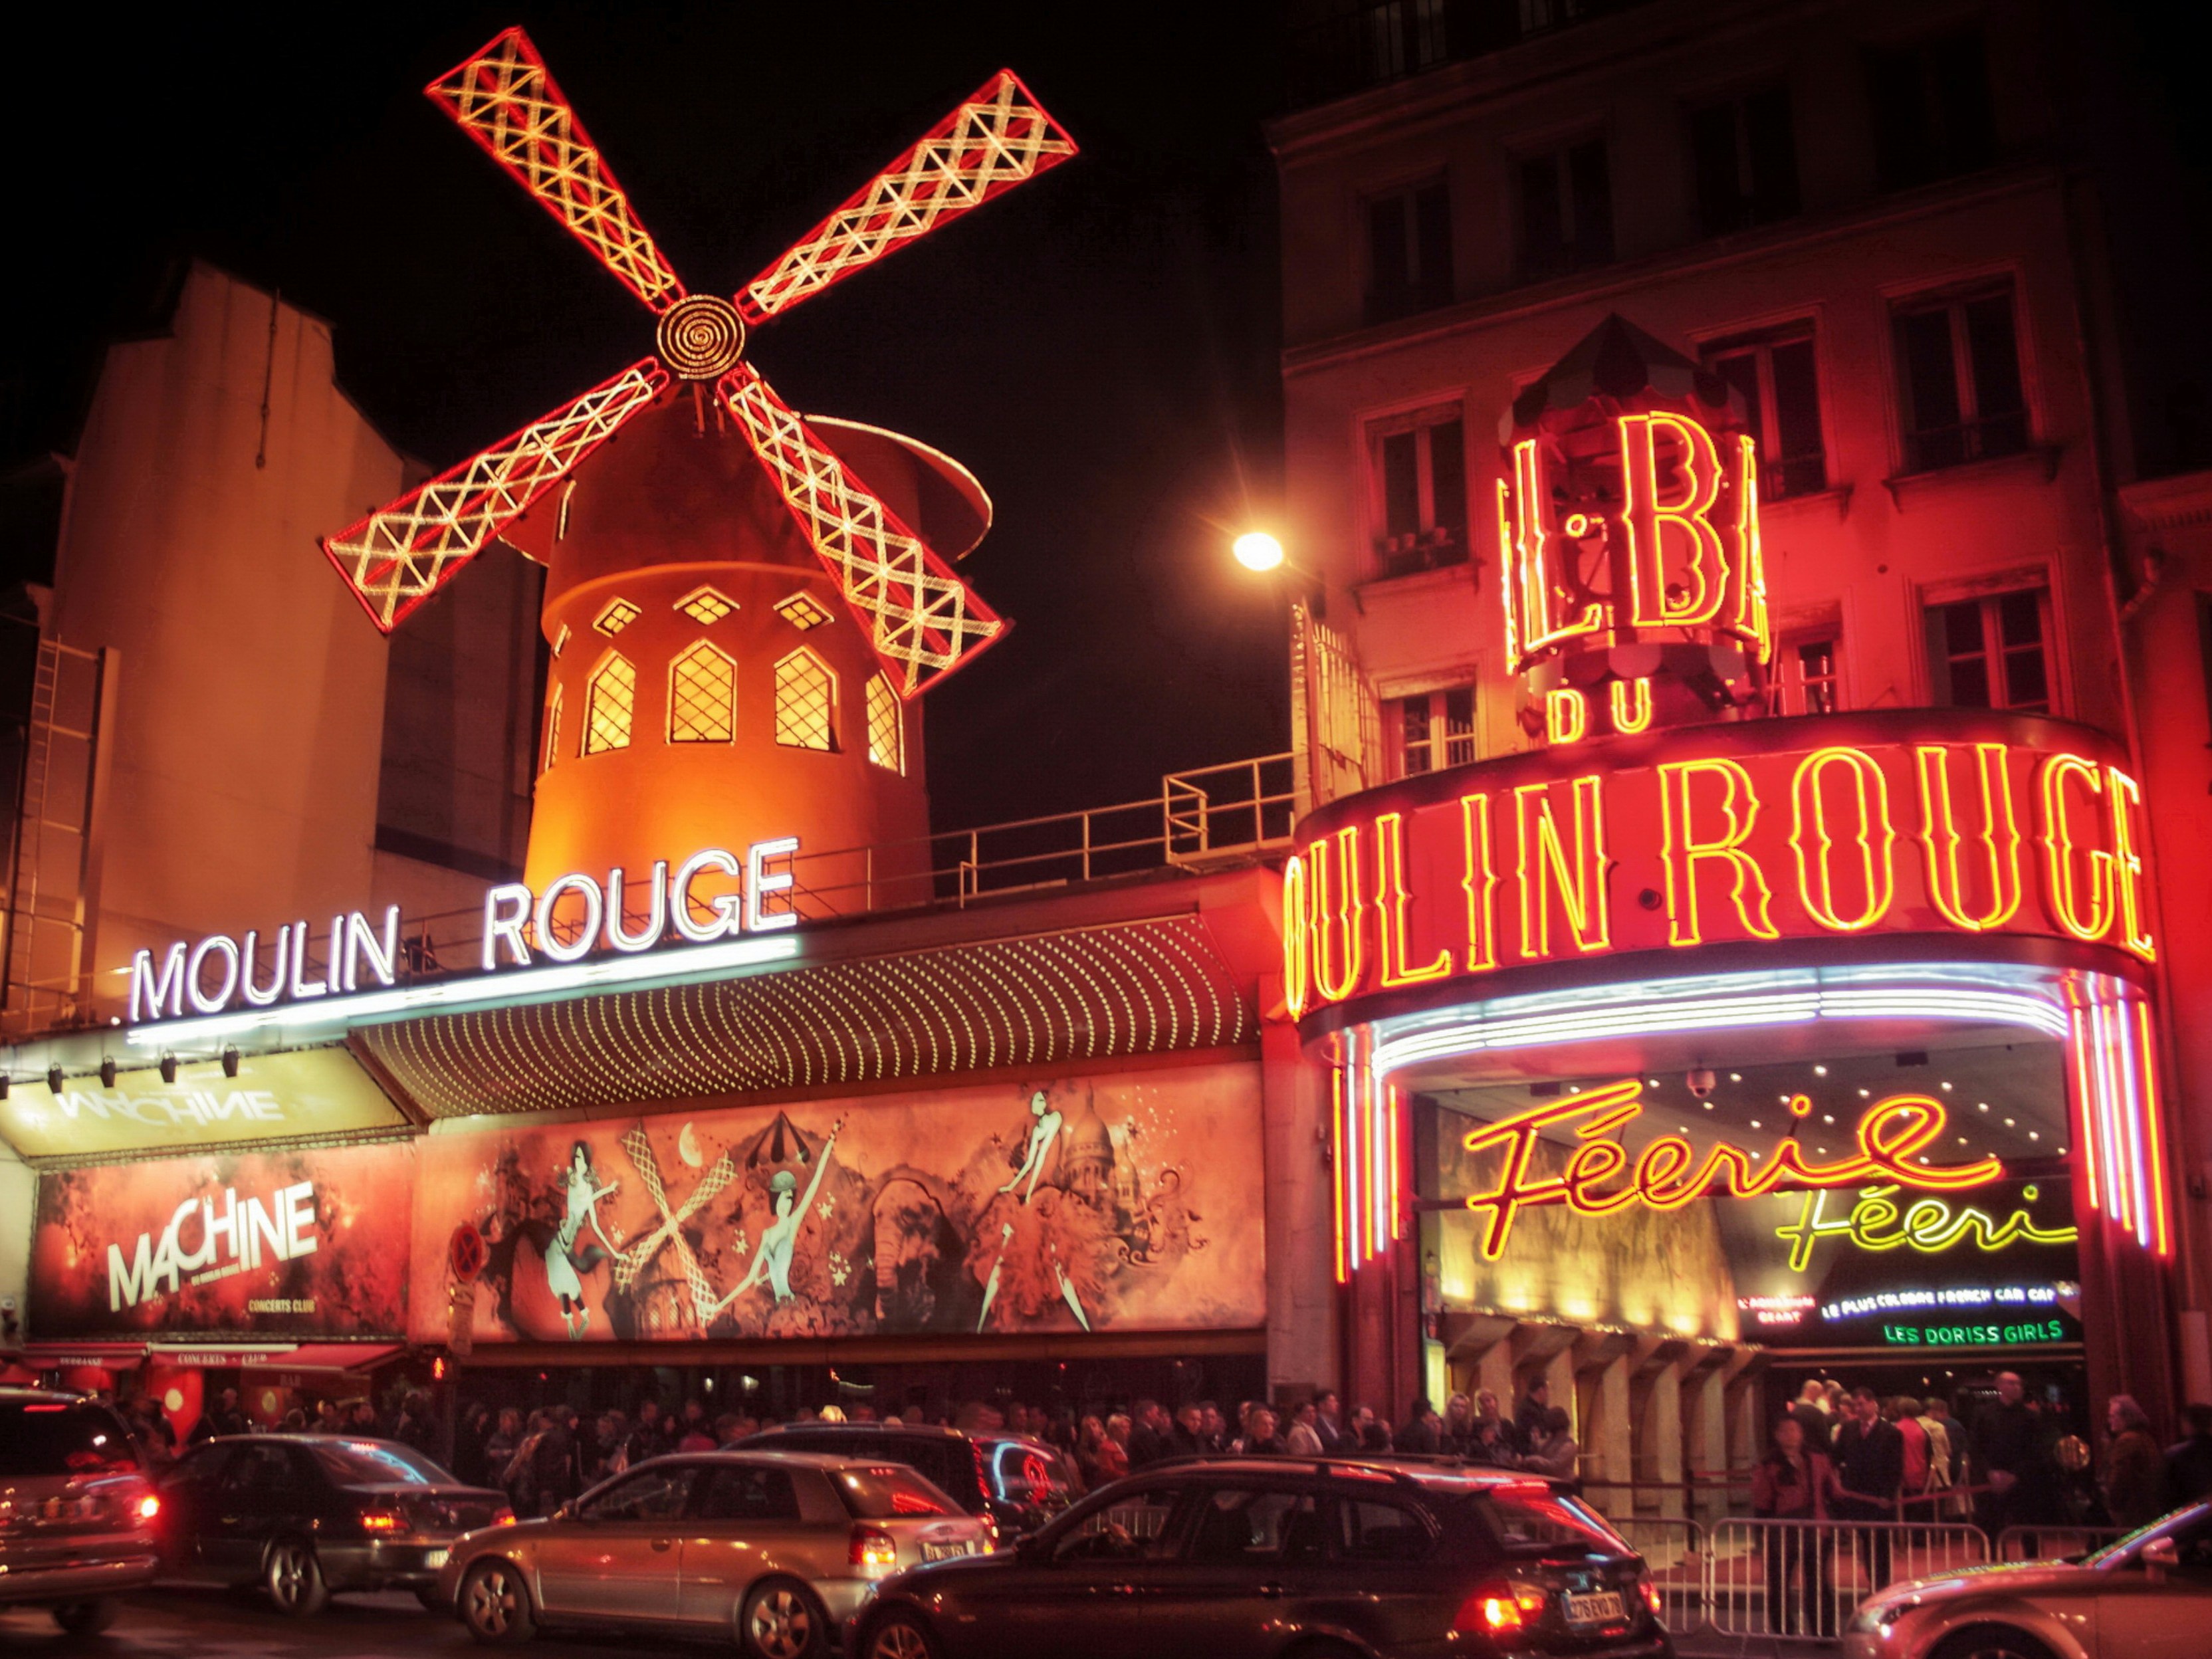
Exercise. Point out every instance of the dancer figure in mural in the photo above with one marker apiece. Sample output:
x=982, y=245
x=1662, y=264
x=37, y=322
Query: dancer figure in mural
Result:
x=991, y=1284
x=1067, y=1289
x=1043, y=1133
x=564, y=1263
x=772, y=1257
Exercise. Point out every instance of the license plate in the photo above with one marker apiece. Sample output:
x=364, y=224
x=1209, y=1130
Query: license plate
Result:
x=947, y=1551
x=438, y=1558
x=1603, y=1608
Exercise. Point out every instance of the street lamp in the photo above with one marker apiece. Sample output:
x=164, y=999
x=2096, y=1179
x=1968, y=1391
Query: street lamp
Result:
x=1256, y=550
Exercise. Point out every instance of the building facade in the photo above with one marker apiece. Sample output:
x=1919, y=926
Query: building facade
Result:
x=1569, y=874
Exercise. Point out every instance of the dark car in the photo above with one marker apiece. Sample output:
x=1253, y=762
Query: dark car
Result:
x=306, y=1515
x=1020, y=1483
x=76, y=1512
x=1257, y=1558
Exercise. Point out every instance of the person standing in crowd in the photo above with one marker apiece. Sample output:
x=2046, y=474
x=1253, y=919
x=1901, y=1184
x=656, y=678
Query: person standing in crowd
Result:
x=1372, y=1433
x=2135, y=1472
x=1149, y=1428
x=698, y=1434
x=1555, y=1453
x=1795, y=1483
x=222, y=1418
x=499, y=1446
x=1869, y=1458
x=1258, y=1439
x=1492, y=1440
x=1810, y=1409
x=2005, y=1441
x=415, y=1426
x=1114, y=1450
x=1529, y=1415
x=1090, y=1440
x=1457, y=1433
x=1420, y=1433
x=649, y=1438
x=1303, y=1439
x=1329, y=1423
x=1940, y=1461
x=553, y=1465
x=1187, y=1439
x=1216, y=1426
x=2189, y=1460
x=1903, y=1413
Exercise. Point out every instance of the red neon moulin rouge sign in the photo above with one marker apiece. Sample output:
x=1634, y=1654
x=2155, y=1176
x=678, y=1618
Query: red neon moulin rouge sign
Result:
x=1921, y=821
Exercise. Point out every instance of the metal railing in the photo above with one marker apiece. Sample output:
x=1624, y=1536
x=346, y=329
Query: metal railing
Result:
x=2053, y=1543
x=1805, y=1578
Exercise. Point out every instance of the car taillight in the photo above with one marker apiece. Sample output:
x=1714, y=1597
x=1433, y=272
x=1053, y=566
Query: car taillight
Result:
x=381, y=1521
x=502, y=1517
x=1652, y=1599
x=1500, y=1609
x=148, y=1507
x=990, y=1533
x=871, y=1547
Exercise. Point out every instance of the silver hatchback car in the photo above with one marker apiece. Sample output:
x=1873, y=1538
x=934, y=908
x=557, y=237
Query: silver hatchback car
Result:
x=778, y=1549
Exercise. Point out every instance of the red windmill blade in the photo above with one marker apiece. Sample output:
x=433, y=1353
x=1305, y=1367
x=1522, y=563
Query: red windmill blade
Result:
x=920, y=619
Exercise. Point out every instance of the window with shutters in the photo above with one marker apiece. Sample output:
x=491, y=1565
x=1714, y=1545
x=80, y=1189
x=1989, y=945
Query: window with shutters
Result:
x=1992, y=652
x=1566, y=211
x=1409, y=263
x=1417, y=491
x=1775, y=374
x=1805, y=676
x=1743, y=152
x=552, y=730
x=1435, y=730
x=886, y=740
x=805, y=703
x=1959, y=378
x=611, y=701
x=702, y=697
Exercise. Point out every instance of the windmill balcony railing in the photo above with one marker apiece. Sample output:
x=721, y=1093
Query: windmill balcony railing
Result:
x=1208, y=818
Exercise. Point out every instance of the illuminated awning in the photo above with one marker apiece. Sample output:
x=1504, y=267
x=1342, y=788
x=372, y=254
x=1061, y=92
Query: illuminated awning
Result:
x=326, y=1359
x=1156, y=986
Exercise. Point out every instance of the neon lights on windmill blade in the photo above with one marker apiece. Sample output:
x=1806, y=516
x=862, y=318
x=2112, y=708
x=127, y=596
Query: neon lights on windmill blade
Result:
x=400, y=554
x=992, y=142
x=504, y=98
x=920, y=619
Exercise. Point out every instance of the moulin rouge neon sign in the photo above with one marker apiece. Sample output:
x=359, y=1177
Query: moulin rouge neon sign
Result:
x=1669, y=1172
x=1872, y=824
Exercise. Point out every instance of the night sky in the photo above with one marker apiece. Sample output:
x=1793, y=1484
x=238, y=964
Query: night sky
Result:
x=1098, y=346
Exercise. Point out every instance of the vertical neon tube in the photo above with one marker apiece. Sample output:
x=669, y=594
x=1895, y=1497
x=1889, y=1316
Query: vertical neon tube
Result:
x=2086, y=1136
x=1336, y=1172
x=2164, y=1245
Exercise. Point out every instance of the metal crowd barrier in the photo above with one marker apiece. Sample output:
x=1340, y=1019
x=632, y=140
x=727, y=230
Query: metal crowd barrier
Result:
x=1674, y=1550
x=1805, y=1578
x=2053, y=1543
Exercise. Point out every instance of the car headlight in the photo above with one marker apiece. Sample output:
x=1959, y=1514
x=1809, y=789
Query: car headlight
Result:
x=1879, y=1616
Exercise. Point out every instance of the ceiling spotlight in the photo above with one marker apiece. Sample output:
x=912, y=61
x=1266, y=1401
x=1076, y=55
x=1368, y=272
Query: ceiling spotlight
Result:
x=1827, y=1117
x=2032, y=1135
x=2008, y=1123
x=108, y=1072
x=1754, y=1123
x=168, y=1068
x=1981, y=1105
x=1947, y=1088
x=54, y=1079
x=1819, y=1071
x=230, y=1062
x=1736, y=1076
x=1866, y=1093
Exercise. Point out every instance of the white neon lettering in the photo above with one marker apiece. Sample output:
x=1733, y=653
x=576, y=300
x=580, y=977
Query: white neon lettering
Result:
x=505, y=929
x=363, y=943
x=759, y=884
x=728, y=909
x=586, y=936
x=656, y=921
x=202, y=1000
x=334, y=964
x=165, y=995
x=300, y=988
x=255, y=995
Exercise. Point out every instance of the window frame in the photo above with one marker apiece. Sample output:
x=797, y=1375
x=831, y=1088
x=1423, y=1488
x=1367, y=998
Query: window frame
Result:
x=550, y=748
x=829, y=745
x=585, y=746
x=1760, y=344
x=676, y=663
x=1423, y=291
x=1787, y=685
x=1424, y=550
x=1953, y=299
x=1440, y=740
x=879, y=685
x=1575, y=254
x=1992, y=588
x=1737, y=101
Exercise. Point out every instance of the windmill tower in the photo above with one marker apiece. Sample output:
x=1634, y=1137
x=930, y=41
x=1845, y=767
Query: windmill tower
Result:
x=738, y=622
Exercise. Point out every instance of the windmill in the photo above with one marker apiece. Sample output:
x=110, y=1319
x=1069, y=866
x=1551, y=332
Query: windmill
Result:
x=673, y=535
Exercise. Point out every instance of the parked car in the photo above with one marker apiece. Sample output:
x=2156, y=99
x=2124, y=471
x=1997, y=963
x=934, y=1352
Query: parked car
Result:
x=308, y=1515
x=2148, y=1596
x=1020, y=1483
x=76, y=1512
x=1257, y=1558
x=778, y=1549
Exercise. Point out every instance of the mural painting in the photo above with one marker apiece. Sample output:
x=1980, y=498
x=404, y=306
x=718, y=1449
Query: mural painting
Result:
x=1072, y=1205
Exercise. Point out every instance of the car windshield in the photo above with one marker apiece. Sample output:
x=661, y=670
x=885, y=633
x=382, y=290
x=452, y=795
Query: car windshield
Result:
x=378, y=1463
x=59, y=1437
x=886, y=1491
x=1535, y=1514
x=2194, y=1520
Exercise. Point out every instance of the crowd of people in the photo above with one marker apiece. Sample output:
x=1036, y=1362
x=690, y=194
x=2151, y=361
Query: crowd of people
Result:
x=1838, y=1455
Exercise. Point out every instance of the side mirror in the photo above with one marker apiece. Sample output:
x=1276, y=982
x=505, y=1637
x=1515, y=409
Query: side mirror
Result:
x=2159, y=1556
x=568, y=1511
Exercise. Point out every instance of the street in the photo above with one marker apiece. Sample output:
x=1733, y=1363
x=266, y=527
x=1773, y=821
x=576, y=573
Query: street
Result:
x=189, y=1621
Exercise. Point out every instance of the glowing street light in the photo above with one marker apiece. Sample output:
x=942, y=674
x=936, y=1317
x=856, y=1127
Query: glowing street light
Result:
x=1256, y=550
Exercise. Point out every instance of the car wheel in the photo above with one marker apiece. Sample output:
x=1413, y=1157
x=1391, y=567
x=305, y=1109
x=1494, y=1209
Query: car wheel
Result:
x=1990, y=1642
x=294, y=1579
x=781, y=1621
x=898, y=1635
x=86, y=1617
x=495, y=1603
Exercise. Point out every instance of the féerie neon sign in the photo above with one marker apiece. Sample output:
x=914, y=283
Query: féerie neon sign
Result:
x=1929, y=1225
x=1668, y=1173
